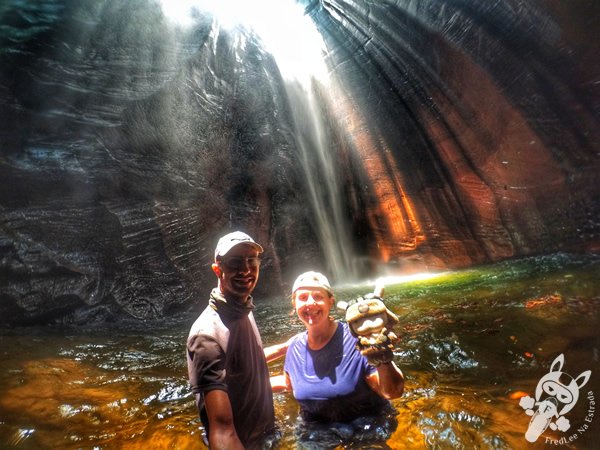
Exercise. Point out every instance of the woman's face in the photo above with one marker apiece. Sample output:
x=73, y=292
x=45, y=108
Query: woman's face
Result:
x=312, y=306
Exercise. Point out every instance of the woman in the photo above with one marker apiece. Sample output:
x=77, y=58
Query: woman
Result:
x=338, y=391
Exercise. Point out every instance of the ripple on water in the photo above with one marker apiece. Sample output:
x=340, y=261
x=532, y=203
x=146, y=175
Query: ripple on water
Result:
x=457, y=429
x=20, y=436
x=442, y=354
x=364, y=432
x=174, y=390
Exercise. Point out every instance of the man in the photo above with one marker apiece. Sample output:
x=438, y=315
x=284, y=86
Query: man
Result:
x=226, y=363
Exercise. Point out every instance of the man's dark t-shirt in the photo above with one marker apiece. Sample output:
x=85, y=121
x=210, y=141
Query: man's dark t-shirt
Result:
x=224, y=352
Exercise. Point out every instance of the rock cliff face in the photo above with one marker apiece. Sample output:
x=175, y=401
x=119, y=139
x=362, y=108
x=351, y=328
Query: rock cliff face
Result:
x=486, y=109
x=456, y=133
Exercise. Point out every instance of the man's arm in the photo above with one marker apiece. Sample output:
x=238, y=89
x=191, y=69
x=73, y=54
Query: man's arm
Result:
x=222, y=434
x=281, y=383
x=276, y=351
x=207, y=375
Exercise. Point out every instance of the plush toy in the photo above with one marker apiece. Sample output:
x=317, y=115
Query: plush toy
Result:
x=372, y=323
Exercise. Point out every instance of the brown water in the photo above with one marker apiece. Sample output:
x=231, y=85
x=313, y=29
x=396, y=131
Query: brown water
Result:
x=472, y=342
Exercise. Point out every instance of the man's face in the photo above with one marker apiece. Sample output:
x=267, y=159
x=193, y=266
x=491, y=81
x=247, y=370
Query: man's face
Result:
x=238, y=272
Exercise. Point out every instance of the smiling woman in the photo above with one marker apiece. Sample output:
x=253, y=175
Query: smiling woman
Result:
x=338, y=388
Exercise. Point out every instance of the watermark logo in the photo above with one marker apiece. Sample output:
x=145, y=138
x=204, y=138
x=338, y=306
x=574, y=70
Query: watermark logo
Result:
x=556, y=394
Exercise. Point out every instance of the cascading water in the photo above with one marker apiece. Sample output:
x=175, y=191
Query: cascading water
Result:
x=323, y=181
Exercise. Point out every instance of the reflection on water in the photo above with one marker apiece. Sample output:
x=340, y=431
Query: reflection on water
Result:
x=472, y=343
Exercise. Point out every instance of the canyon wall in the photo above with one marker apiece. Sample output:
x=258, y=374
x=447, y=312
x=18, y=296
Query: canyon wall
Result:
x=457, y=133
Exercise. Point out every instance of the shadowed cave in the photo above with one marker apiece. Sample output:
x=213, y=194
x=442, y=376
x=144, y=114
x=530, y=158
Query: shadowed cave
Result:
x=445, y=134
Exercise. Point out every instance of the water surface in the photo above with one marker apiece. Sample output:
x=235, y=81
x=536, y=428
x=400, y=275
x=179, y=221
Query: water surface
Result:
x=472, y=343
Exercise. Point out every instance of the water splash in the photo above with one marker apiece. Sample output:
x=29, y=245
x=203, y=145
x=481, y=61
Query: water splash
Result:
x=21, y=435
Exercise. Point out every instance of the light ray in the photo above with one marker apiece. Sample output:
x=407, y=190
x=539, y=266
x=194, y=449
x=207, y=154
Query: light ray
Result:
x=286, y=33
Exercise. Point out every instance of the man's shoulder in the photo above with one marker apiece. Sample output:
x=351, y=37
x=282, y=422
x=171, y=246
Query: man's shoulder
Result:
x=207, y=315
x=209, y=324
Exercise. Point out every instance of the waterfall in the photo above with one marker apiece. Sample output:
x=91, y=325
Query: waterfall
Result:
x=298, y=49
x=323, y=180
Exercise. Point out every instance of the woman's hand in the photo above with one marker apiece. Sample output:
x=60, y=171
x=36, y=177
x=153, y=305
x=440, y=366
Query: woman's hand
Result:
x=378, y=348
x=387, y=381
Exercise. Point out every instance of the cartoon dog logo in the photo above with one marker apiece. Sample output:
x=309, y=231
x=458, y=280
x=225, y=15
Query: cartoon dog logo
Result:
x=555, y=395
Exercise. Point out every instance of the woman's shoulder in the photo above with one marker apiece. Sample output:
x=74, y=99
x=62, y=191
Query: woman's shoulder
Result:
x=346, y=330
x=295, y=352
x=298, y=339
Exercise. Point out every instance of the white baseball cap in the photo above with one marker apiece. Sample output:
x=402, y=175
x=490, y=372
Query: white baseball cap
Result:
x=312, y=280
x=230, y=240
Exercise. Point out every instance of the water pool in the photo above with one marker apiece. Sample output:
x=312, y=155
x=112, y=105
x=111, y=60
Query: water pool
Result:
x=473, y=342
